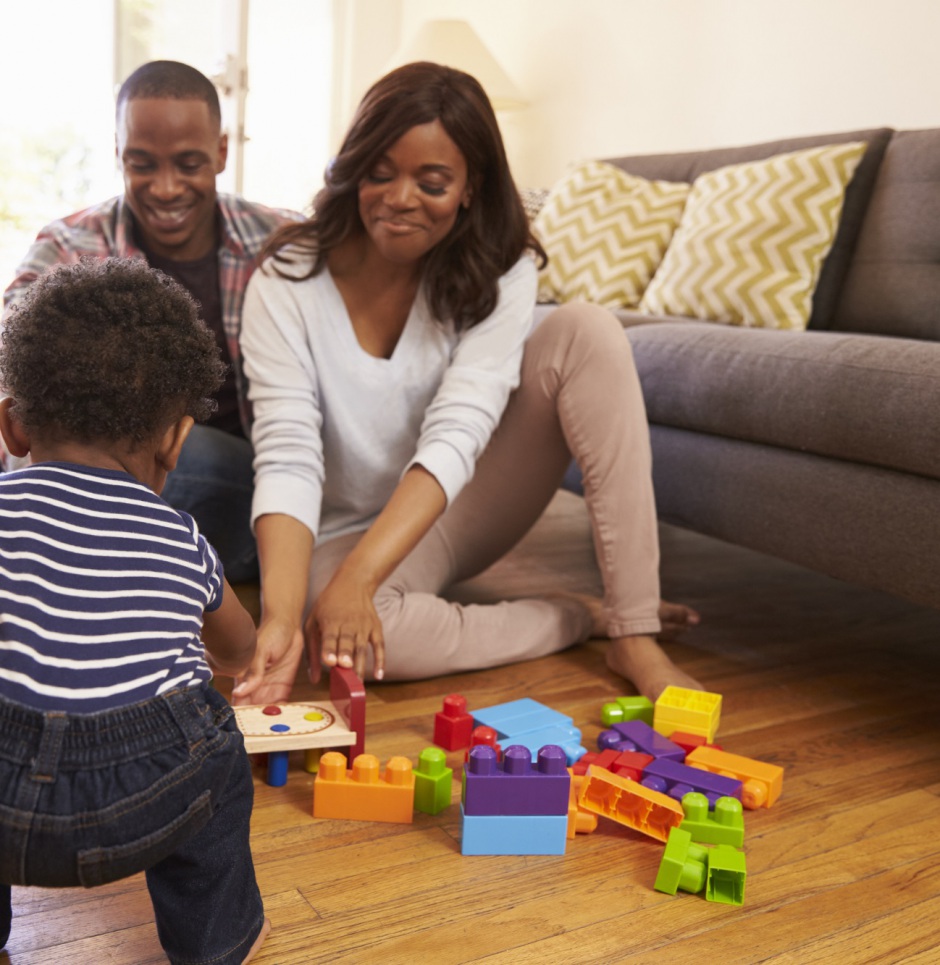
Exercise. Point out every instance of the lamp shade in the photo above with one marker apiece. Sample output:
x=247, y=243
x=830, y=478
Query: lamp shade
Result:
x=454, y=43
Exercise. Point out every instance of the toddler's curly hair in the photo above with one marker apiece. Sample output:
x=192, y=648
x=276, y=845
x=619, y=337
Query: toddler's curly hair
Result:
x=108, y=350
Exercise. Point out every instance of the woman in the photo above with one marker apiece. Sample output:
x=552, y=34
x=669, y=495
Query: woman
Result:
x=409, y=422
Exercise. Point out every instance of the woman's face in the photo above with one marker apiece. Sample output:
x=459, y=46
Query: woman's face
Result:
x=410, y=199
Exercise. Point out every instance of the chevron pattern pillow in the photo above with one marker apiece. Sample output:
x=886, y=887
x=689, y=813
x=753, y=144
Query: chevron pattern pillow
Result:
x=753, y=238
x=605, y=232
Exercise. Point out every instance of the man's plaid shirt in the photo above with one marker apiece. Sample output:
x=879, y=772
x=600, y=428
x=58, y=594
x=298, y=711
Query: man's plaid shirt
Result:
x=106, y=231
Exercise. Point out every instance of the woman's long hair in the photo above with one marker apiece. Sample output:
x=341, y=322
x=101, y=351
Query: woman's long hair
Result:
x=461, y=272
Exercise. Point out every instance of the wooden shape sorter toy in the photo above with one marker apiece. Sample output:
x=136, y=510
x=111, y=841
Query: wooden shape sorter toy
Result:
x=276, y=729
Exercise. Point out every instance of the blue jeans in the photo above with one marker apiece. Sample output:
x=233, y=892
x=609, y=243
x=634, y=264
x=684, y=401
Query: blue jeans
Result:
x=162, y=786
x=213, y=482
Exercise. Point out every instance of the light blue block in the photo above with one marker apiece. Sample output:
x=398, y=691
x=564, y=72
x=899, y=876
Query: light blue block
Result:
x=527, y=722
x=513, y=834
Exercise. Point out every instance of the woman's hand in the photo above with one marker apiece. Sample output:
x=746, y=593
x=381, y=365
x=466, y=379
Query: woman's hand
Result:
x=273, y=670
x=342, y=626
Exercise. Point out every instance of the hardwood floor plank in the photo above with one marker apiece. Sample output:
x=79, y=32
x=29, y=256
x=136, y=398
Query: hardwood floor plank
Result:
x=836, y=683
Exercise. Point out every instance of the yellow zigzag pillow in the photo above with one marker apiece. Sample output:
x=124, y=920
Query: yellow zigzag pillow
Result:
x=604, y=232
x=753, y=239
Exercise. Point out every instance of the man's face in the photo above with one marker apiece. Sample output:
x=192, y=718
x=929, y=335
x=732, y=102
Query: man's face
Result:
x=170, y=152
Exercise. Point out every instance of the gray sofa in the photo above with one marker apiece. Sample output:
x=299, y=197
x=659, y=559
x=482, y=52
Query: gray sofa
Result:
x=819, y=447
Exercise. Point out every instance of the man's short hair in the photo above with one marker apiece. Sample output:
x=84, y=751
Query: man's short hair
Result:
x=170, y=79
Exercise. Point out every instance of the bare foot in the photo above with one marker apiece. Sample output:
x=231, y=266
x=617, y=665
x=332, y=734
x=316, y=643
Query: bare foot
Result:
x=644, y=662
x=259, y=941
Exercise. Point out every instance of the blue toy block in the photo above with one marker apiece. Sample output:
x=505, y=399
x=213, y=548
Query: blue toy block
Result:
x=677, y=780
x=533, y=725
x=507, y=716
x=514, y=785
x=637, y=735
x=513, y=833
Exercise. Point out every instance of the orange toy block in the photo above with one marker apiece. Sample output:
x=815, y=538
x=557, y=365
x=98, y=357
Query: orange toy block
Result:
x=579, y=820
x=629, y=803
x=761, y=782
x=362, y=794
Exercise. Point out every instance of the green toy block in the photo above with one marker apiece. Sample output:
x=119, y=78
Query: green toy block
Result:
x=683, y=864
x=725, y=825
x=433, y=780
x=622, y=709
x=726, y=875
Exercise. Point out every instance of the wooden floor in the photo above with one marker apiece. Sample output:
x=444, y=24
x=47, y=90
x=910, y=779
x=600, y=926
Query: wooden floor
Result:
x=837, y=684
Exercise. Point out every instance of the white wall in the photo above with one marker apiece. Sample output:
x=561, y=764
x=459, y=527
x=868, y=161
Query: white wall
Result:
x=608, y=77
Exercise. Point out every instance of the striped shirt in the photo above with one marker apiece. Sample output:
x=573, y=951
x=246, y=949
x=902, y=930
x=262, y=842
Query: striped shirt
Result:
x=102, y=590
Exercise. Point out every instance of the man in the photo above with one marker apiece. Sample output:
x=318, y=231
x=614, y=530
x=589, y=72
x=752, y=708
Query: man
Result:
x=170, y=148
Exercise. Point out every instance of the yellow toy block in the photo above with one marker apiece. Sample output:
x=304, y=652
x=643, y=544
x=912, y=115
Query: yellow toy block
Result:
x=361, y=794
x=691, y=711
x=629, y=803
x=762, y=782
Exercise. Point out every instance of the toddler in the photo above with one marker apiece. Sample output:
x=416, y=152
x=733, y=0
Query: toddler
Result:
x=116, y=756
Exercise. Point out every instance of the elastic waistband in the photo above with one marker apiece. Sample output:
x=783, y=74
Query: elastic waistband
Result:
x=134, y=730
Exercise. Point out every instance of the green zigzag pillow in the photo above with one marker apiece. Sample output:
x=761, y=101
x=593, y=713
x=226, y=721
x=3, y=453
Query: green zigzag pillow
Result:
x=753, y=238
x=605, y=233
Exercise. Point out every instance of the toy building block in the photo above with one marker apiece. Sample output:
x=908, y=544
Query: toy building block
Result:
x=362, y=794
x=579, y=820
x=433, y=781
x=630, y=764
x=527, y=722
x=726, y=875
x=636, y=735
x=483, y=735
x=762, y=782
x=724, y=825
x=276, y=729
x=627, y=708
x=676, y=780
x=683, y=865
x=603, y=759
x=513, y=833
x=515, y=785
x=688, y=742
x=452, y=724
x=692, y=711
x=629, y=803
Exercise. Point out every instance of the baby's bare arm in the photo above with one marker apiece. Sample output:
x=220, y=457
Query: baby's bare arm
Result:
x=229, y=635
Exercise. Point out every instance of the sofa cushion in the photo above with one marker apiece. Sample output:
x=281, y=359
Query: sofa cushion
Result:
x=863, y=398
x=687, y=166
x=893, y=283
x=753, y=238
x=605, y=232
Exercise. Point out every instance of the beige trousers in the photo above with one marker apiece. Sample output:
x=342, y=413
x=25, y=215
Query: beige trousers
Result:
x=579, y=396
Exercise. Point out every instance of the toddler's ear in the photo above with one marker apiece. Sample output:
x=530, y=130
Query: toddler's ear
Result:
x=17, y=442
x=168, y=452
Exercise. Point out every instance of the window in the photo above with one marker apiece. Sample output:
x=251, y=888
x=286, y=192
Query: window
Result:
x=57, y=123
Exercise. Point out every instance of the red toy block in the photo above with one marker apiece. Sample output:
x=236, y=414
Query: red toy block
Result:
x=452, y=724
x=603, y=759
x=630, y=764
x=485, y=736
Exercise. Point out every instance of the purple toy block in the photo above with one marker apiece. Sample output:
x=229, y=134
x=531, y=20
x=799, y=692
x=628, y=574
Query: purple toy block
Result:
x=637, y=735
x=677, y=780
x=514, y=785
